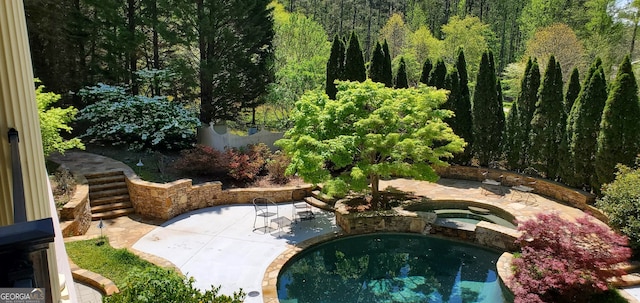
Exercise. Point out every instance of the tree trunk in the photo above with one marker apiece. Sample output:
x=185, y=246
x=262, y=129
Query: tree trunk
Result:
x=206, y=88
x=133, y=58
x=156, y=46
x=375, y=191
x=633, y=36
x=341, y=15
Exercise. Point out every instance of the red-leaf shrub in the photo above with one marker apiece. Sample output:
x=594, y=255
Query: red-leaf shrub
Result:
x=565, y=261
x=277, y=167
x=202, y=160
x=245, y=166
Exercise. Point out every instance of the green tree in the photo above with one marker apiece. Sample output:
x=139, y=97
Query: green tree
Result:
x=54, y=120
x=487, y=113
x=423, y=45
x=335, y=66
x=462, y=109
x=426, y=70
x=235, y=45
x=583, y=126
x=438, y=75
x=401, y=78
x=369, y=133
x=301, y=51
x=548, y=122
x=470, y=34
x=395, y=31
x=619, y=135
x=573, y=90
x=387, y=70
x=377, y=64
x=560, y=41
x=354, y=69
x=517, y=135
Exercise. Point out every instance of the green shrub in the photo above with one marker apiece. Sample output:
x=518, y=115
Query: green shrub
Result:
x=621, y=203
x=54, y=120
x=140, y=122
x=161, y=285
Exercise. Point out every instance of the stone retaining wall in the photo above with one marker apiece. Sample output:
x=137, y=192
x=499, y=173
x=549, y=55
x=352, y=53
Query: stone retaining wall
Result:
x=75, y=215
x=573, y=197
x=165, y=201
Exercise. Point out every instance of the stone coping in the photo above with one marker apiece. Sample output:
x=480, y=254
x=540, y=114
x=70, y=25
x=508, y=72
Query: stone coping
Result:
x=104, y=285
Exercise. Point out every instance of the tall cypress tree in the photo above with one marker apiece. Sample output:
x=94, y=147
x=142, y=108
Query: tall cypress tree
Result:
x=486, y=113
x=401, y=79
x=519, y=119
x=573, y=90
x=619, y=136
x=583, y=126
x=387, y=70
x=548, y=122
x=463, y=109
x=426, y=70
x=335, y=67
x=354, y=69
x=438, y=75
x=376, y=67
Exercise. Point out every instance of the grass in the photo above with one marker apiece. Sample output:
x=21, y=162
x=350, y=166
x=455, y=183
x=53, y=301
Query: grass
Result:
x=98, y=256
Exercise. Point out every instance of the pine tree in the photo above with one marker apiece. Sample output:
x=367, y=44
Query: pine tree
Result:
x=583, y=126
x=426, y=70
x=335, y=67
x=511, y=149
x=573, y=90
x=376, y=67
x=401, y=79
x=387, y=70
x=463, y=110
x=486, y=113
x=548, y=122
x=354, y=69
x=619, y=136
x=438, y=75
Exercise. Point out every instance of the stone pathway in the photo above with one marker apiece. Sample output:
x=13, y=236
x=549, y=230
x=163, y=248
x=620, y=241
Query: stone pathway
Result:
x=87, y=294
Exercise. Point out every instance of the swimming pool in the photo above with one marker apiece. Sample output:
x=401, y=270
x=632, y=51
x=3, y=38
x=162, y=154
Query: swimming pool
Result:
x=391, y=268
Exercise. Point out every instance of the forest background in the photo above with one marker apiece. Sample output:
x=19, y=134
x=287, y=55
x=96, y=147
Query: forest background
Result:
x=164, y=47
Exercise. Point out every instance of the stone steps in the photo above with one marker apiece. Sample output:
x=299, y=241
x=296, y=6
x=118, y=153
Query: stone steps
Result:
x=319, y=204
x=108, y=195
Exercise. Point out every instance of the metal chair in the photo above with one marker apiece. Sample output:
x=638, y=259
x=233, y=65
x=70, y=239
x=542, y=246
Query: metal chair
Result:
x=264, y=208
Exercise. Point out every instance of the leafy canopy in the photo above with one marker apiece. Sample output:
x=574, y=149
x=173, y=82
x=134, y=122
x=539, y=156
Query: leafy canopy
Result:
x=367, y=133
x=53, y=120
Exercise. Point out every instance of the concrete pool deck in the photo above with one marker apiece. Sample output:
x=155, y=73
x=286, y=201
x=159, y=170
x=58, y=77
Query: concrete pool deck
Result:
x=218, y=245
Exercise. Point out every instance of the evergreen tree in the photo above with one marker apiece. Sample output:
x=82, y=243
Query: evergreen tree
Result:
x=619, y=136
x=463, y=109
x=583, y=125
x=573, y=90
x=376, y=67
x=426, y=70
x=548, y=122
x=501, y=118
x=401, y=79
x=354, y=69
x=517, y=135
x=335, y=67
x=235, y=69
x=387, y=71
x=486, y=113
x=438, y=75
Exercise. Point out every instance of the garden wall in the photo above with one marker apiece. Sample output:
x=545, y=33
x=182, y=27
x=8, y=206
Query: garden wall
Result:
x=165, y=201
x=219, y=138
x=557, y=191
x=75, y=215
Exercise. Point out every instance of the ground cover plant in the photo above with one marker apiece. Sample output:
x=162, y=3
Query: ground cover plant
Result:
x=564, y=261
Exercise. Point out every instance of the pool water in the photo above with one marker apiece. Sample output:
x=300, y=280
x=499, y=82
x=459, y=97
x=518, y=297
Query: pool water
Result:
x=391, y=268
